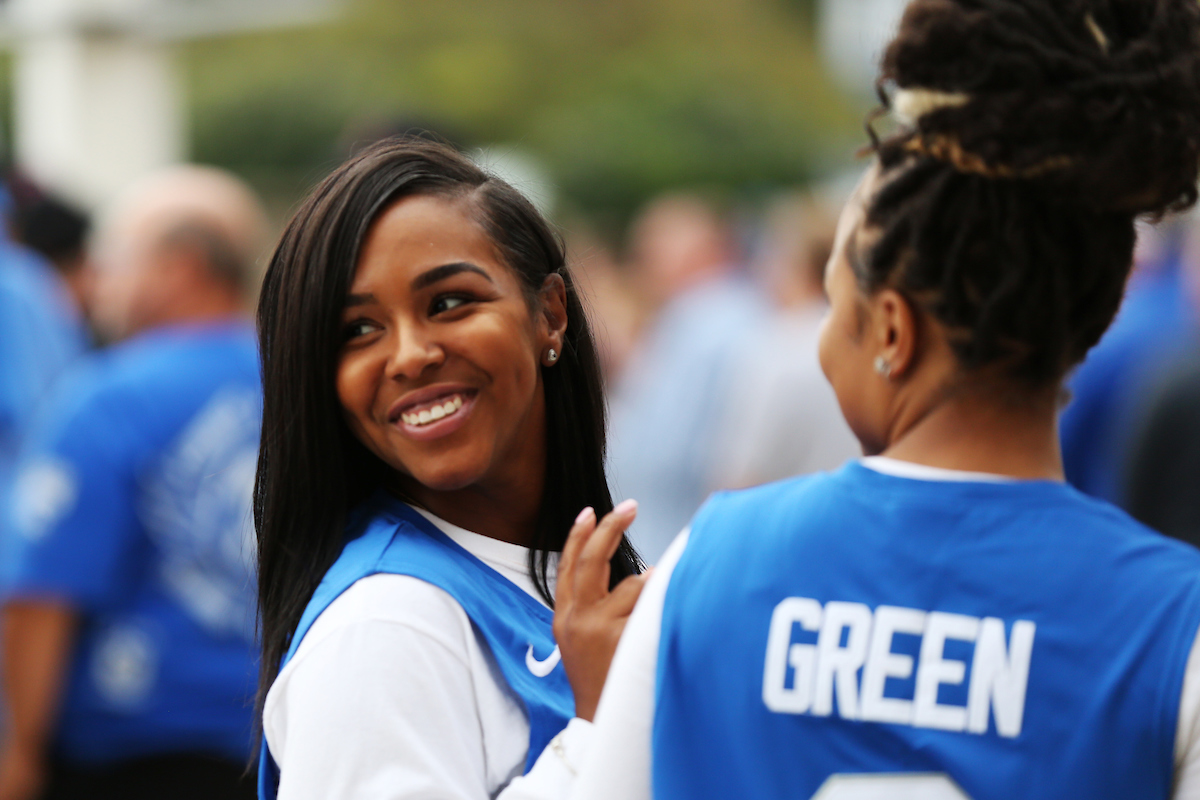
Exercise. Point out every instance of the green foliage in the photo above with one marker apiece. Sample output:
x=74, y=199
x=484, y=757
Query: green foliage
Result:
x=620, y=98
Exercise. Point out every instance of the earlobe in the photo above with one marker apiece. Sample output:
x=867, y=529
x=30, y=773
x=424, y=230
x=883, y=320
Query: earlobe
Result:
x=897, y=334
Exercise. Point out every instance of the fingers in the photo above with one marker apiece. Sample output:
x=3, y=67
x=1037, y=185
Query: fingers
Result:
x=623, y=598
x=591, y=569
x=584, y=525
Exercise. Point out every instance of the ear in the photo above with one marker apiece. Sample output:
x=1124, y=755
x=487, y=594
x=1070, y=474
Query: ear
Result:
x=552, y=318
x=894, y=324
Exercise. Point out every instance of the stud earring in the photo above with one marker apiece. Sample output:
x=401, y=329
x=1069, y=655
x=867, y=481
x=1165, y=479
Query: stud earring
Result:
x=883, y=367
x=552, y=356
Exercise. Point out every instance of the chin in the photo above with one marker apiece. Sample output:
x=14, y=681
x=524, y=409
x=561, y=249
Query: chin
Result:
x=448, y=477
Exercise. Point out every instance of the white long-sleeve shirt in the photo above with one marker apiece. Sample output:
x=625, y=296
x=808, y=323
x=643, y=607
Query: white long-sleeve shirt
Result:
x=394, y=695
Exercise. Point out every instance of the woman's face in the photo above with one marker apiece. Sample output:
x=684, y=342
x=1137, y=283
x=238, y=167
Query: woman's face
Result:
x=847, y=353
x=439, y=371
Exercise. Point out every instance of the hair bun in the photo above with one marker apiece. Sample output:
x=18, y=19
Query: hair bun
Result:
x=1098, y=99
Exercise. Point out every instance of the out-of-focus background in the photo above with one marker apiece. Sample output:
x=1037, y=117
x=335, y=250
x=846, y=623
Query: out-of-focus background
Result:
x=694, y=155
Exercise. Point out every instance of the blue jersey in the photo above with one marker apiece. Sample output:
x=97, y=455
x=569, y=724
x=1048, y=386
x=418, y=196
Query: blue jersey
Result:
x=859, y=635
x=387, y=536
x=132, y=504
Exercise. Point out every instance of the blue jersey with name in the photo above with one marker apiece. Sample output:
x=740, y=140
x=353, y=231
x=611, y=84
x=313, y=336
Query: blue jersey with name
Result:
x=133, y=504
x=859, y=635
x=388, y=536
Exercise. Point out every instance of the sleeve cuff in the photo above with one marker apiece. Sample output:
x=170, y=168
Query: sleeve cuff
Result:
x=556, y=768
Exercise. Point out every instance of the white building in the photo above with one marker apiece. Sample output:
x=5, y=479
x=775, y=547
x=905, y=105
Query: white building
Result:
x=98, y=98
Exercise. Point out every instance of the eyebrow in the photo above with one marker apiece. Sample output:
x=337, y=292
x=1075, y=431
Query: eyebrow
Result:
x=427, y=279
x=353, y=300
x=422, y=281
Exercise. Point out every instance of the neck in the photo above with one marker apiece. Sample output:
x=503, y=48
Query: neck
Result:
x=504, y=504
x=1019, y=441
x=487, y=513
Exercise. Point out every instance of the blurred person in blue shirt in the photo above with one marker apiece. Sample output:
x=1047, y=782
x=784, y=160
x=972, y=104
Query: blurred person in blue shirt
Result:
x=40, y=333
x=1160, y=487
x=1110, y=390
x=672, y=397
x=128, y=619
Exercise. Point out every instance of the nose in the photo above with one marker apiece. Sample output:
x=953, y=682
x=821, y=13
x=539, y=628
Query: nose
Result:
x=414, y=351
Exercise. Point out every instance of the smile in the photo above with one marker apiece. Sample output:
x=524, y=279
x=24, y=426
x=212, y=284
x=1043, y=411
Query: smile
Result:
x=419, y=416
x=434, y=411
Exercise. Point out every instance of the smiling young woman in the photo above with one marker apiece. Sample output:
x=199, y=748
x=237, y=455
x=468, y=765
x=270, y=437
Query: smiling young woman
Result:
x=433, y=424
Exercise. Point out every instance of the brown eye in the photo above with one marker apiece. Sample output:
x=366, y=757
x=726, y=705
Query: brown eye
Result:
x=447, y=302
x=357, y=329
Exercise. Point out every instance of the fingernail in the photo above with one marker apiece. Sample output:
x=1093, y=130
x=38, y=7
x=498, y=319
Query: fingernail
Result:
x=626, y=507
x=583, y=515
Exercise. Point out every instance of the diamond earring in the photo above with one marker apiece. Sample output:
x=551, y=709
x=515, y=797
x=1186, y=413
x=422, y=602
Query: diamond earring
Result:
x=883, y=367
x=552, y=356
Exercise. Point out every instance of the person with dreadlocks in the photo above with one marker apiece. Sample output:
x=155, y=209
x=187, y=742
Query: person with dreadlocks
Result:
x=946, y=618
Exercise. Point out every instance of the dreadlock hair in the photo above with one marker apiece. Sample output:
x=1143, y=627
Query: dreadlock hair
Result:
x=1037, y=132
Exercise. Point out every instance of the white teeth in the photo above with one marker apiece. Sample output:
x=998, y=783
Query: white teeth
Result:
x=434, y=413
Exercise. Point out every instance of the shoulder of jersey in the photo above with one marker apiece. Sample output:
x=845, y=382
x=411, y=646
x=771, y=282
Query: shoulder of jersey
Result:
x=748, y=506
x=134, y=368
x=1118, y=523
x=783, y=490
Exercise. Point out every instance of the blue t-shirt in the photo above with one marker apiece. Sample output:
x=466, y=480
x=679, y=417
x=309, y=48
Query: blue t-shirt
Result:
x=40, y=334
x=133, y=504
x=859, y=632
x=387, y=536
x=1110, y=389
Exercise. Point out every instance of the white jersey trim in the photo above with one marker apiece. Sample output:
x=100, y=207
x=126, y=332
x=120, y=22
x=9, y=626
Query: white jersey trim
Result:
x=920, y=472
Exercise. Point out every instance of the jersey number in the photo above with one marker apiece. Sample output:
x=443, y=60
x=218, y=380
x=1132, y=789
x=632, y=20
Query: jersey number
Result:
x=891, y=786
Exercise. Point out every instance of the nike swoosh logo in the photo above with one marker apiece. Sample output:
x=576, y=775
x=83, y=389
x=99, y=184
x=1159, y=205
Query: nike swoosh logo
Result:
x=541, y=669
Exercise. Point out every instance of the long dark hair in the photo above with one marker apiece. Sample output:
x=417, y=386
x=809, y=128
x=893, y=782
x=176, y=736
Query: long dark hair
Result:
x=311, y=469
x=1007, y=208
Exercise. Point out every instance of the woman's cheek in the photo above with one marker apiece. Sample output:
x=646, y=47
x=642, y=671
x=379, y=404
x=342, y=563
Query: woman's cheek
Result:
x=356, y=391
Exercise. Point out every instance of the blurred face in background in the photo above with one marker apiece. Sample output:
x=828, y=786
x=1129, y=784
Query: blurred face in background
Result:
x=799, y=232
x=138, y=281
x=130, y=286
x=678, y=242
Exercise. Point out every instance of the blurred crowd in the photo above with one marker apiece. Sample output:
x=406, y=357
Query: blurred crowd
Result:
x=129, y=421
